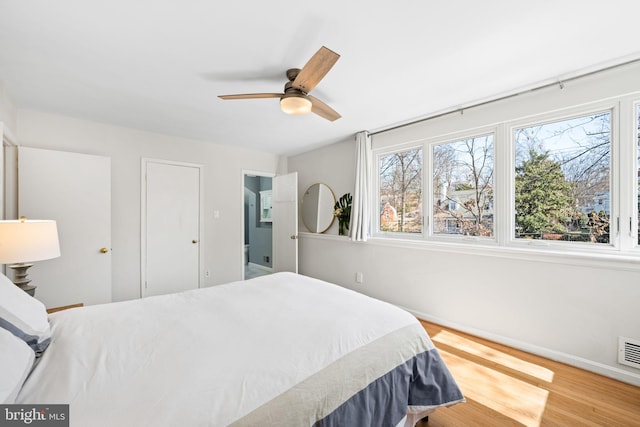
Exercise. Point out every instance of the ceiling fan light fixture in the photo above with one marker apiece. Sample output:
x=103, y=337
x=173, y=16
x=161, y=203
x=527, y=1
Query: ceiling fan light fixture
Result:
x=295, y=105
x=296, y=98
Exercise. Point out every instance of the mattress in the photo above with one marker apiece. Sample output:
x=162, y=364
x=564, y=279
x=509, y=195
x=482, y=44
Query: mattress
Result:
x=278, y=350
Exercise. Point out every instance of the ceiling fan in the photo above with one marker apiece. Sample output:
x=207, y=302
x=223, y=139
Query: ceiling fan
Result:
x=296, y=98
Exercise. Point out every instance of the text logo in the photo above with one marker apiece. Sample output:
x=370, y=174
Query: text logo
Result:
x=34, y=415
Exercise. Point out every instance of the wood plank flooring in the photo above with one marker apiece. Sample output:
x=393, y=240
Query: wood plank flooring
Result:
x=507, y=387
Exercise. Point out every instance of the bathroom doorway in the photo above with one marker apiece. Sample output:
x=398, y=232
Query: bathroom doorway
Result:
x=258, y=225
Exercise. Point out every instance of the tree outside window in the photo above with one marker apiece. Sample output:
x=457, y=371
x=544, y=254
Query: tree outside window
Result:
x=463, y=187
x=562, y=180
x=401, y=191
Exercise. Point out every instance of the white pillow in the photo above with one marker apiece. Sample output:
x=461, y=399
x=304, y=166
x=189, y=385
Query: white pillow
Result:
x=16, y=361
x=23, y=316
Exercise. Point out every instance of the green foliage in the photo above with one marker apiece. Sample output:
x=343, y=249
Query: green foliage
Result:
x=342, y=211
x=464, y=186
x=543, y=196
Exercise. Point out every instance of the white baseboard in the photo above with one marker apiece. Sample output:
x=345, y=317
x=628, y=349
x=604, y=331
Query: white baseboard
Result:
x=261, y=267
x=569, y=359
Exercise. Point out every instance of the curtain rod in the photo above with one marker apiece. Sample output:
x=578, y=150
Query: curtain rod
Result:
x=559, y=82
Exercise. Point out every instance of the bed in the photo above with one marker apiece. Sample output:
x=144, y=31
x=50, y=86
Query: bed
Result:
x=278, y=350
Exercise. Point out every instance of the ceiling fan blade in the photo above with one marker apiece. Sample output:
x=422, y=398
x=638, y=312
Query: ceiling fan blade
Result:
x=322, y=109
x=251, y=96
x=315, y=69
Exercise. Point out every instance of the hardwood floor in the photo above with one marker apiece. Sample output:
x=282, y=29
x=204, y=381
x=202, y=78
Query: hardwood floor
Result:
x=507, y=387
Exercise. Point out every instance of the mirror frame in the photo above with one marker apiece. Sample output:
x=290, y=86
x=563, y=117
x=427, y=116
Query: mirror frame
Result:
x=333, y=218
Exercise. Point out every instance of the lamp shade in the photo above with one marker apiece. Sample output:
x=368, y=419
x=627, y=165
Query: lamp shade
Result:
x=28, y=240
x=298, y=104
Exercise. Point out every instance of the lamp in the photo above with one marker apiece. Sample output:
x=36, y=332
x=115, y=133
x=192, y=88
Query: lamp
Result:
x=295, y=104
x=24, y=241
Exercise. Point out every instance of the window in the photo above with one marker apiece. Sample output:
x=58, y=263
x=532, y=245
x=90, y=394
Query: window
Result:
x=400, y=185
x=562, y=185
x=638, y=167
x=463, y=187
x=533, y=175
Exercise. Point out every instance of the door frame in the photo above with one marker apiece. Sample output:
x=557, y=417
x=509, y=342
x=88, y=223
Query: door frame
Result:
x=246, y=172
x=143, y=216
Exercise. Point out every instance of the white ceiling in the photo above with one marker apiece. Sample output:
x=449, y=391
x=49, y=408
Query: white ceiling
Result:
x=158, y=65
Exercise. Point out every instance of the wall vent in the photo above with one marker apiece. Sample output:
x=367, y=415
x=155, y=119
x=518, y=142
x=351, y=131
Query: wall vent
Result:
x=629, y=352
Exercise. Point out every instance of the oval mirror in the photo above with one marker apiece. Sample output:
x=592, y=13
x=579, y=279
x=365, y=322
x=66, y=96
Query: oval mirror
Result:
x=317, y=208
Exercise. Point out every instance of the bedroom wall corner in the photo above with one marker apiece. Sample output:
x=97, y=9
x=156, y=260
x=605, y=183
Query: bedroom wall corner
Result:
x=8, y=114
x=283, y=165
x=333, y=165
x=8, y=124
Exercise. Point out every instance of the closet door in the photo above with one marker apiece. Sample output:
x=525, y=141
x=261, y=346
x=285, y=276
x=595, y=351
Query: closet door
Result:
x=171, y=227
x=75, y=190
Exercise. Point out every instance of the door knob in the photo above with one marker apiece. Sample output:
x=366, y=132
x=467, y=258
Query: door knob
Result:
x=294, y=237
x=104, y=250
x=194, y=241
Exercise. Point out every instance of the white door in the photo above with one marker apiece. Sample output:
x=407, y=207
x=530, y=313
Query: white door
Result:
x=171, y=227
x=75, y=190
x=285, y=222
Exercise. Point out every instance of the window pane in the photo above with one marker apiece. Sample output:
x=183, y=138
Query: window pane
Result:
x=401, y=191
x=463, y=187
x=562, y=186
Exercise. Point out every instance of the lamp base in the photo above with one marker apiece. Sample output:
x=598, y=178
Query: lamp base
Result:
x=20, y=278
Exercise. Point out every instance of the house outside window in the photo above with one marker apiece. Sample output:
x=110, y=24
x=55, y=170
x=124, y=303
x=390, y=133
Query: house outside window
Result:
x=462, y=182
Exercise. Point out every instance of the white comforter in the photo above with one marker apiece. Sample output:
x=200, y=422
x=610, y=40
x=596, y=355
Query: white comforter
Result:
x=203, y=357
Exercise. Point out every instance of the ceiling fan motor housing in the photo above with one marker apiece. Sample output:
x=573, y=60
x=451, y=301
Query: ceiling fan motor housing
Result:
x=292, y=73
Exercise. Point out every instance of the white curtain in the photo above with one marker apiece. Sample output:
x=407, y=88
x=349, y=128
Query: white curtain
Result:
x=359, y=227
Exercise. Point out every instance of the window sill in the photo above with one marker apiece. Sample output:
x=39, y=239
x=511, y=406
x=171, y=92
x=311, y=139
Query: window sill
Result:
x=323, y=236
x=615, y=260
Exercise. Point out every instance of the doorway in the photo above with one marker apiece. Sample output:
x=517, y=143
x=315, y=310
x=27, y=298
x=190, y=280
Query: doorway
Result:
x=258, y=225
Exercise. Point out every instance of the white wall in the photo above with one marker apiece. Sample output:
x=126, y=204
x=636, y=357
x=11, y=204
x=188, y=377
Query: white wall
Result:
x=7, y=112
x=332, y=165
x=567, y=309
x=223, y=188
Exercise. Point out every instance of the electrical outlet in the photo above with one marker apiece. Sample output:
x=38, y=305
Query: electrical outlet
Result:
x=359, y=277
x=207, y=273
x=265, y=258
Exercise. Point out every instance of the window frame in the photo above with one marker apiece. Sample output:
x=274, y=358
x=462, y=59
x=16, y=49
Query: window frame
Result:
x=634, y=219
x=430, y=144
x=623, y=248
x=375, y=207
x=632, y=192
x=557, y=116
